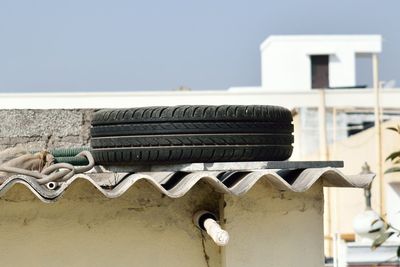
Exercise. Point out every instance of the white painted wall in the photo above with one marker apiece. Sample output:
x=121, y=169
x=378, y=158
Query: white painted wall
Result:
x=275, y=229
x=236, y=96
x=141, y=228
x=144, y=228
x=286, y=64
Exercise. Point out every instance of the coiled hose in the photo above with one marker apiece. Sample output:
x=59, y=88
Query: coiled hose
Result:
x=62, y=170
x=70, y=155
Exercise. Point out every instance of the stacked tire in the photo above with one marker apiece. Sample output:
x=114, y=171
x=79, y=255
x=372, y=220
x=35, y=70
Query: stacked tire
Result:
x=183, y=134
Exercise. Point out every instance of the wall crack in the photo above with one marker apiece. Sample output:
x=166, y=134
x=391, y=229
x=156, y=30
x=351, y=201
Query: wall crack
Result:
x=206, y=257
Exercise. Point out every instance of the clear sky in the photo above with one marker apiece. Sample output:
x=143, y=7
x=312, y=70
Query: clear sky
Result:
x=121, y=45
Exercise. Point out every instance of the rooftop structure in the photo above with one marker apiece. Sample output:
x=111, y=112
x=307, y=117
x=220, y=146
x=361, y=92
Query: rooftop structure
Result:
x=292, y=66
x=267, y=208
x=302, y=62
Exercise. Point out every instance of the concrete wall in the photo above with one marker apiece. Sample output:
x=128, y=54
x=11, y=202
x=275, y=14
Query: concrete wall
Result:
x=144, y=228
x=275, y=229
x=141, y=228
x=44, y=129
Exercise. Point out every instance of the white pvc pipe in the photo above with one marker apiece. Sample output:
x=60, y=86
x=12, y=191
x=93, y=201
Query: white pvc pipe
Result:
x=220, y=236
x=52, y=185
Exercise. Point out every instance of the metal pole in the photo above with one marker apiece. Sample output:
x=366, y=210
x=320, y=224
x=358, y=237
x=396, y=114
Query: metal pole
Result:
x=378, y=134
x=334, y=131
x=323, y=140
x=324, y=156
x=334, y=192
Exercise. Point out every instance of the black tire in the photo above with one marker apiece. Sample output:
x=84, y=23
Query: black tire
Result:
x=191, y=127
x=192, y=134
x=176, y=140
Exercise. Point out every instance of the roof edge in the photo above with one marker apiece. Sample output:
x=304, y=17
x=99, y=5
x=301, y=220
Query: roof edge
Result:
x=303, y=181
x=322, y=37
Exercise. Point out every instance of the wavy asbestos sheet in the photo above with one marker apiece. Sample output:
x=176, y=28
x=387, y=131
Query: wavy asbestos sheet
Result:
x=177, y=184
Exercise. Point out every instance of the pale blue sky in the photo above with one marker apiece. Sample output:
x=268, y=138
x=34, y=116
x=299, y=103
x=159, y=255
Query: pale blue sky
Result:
x=89, y=45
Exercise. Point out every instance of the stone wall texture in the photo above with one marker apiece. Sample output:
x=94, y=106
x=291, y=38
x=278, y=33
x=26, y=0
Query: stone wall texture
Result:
x=44, y=129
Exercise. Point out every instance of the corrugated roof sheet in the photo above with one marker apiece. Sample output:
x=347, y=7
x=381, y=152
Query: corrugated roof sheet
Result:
x=177, y=183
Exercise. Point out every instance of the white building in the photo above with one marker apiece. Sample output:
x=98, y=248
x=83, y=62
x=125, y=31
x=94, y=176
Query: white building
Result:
x=299, y=63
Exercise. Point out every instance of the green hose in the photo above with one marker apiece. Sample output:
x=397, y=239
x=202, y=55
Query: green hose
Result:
x=75, y=161
x=68, y=152
x=68, y=155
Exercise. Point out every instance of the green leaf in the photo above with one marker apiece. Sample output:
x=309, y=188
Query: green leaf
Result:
x=392, y=170
x=381, y=239
x=395, y=129
x=393, y=156
x=398, y=252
